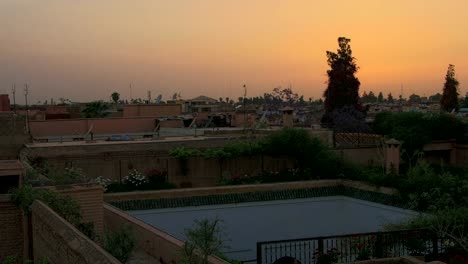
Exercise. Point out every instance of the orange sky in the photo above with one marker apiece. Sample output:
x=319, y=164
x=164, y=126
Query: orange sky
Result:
x=86, y=49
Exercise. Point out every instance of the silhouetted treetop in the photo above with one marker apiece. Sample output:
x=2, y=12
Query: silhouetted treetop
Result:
x=449, y=100
x=343, y=86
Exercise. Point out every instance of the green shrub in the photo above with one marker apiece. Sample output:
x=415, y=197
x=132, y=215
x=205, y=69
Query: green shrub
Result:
x=120, y=243
x=415, y=129
x=203, y=239
x=65, y=206
x=182, y=154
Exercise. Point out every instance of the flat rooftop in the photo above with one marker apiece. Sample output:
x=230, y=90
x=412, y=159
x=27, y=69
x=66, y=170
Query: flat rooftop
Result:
x=244, y=224
x=103, y=142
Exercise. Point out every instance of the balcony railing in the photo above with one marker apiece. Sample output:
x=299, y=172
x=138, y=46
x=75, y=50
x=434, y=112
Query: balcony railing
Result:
x=353, y=247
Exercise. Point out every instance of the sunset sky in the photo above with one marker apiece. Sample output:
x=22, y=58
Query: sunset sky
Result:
x=84, y=50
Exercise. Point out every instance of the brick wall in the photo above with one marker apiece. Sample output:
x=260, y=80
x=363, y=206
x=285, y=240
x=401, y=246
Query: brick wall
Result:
x=152, y=110
x=12, y=135
x=79, y=127
x=4, y=103
x=11, y=229
x=90, y=198
x=59, y=242
x=203, y=172
x=153, y=241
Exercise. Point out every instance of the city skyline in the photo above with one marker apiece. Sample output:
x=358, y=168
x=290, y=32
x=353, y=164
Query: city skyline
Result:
x=87, y=50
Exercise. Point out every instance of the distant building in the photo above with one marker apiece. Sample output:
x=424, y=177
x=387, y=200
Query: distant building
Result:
x=4, y=103
x=201, y=104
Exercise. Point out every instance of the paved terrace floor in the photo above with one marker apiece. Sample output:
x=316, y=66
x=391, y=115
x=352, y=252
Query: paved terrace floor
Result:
x=246, y=223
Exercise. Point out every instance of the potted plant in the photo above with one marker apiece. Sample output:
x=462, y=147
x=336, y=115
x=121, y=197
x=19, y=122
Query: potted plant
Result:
x=330, y=257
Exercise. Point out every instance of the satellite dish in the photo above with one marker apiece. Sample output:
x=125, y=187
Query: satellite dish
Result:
x=158, y=99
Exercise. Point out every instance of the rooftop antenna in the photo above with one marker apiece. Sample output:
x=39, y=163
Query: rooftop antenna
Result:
x=131, y=91
x=26, y=90
x=243, y=101
x=149, y=97
x=13, y=91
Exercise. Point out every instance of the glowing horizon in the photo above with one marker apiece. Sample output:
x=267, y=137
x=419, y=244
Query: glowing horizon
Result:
x=88, y=49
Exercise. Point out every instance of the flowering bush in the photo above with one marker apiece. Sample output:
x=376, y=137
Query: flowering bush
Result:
x=104, y=182
x=362, y=246
x=453, y=253
x=135, y=178
x=363, y=252
x=330, y=257
x=157, y=177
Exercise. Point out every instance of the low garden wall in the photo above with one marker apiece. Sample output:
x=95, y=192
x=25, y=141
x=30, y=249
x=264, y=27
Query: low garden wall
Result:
x=90, y=198
x=250, y=188
x=154, y=242
x=12, y=226
x=58, y=241
x=203, y=172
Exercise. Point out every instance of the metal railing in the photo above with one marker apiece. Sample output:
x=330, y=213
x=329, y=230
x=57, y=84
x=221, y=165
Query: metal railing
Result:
x=351, y=247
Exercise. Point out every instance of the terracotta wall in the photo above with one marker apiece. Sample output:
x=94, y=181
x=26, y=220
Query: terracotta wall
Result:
x=4, y=103
x=368, y=156
x=159, y=110
x=12, y=135
x=153, y=241
x=90, y=198
x=59, y=242
x=203, y=172
x=79, y=127
x=11, y=229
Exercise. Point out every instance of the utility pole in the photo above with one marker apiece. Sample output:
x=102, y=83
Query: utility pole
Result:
x=131, y=93
x=13, y=91
x=26, y=89
x=243, y=101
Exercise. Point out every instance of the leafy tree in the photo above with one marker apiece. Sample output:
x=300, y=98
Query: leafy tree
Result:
x=96, y=109
x=464, y=102
x=380, y=98
x=449, y=100
x=390, y=98
x=372, y=97
x=348, y=119
x=414, y=98
x=115, y=97
x=343, y=86
x=415, y=129
x=369, y=97
x=435, y=98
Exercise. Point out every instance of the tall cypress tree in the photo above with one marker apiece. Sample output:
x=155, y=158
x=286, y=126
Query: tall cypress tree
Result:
x=343, y=86
x=449, y=100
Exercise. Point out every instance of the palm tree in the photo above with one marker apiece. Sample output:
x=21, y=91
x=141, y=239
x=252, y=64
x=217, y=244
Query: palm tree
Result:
x=115, y=97
x=96, y=109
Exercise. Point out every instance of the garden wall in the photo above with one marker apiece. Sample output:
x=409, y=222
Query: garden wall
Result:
x=154, y=242
x=367, y=156
x=90, y=198
x=79, y=127
x=11, y=229
x=203, y=172
x=59, y=242
x=250, y=188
